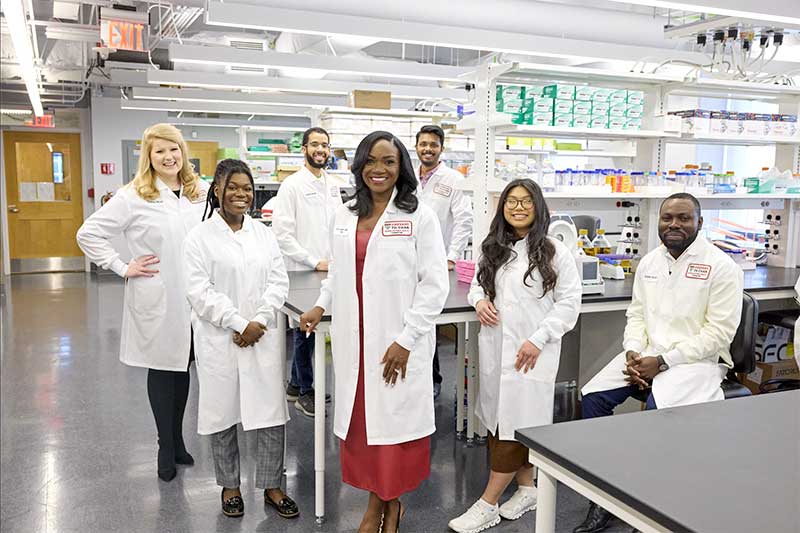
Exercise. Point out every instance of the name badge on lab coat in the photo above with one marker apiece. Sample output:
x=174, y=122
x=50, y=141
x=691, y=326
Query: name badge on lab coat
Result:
x=341, y=232
x=334, y=192
x=443, y=190
x=397, y=228
x=311, y=194
x=698, y=271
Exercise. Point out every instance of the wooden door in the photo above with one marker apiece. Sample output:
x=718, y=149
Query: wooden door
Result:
x=206, y=152
x=45, y=204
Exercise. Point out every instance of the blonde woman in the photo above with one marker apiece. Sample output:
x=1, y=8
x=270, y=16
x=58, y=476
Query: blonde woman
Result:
x=154, y=213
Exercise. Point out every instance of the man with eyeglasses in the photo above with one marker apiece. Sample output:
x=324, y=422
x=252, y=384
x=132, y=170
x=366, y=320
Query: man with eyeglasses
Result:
x=303, y=211
x=438, y=189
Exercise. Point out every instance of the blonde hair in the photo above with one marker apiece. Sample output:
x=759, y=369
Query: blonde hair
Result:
x=144, y=183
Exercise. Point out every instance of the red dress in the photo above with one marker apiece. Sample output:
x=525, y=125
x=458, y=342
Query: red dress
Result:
x=387, y=470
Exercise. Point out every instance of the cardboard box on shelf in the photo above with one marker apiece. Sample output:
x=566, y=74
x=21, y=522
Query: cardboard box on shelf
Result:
x=786, y=369
x=581, y=120
x=563, y=106
x=718, y=122
x=617, y=110
x=618, y=96
x=601, y=94
x=563, y=91
x=634, y=110
x=635, y=97
x=562, y=119
x=600, y=107
x=582, y=107
x=543, y=119
x=584, y=93
x=371, y=99
x=696, y=121
x=510, y=92
x=543, y=104
x=599, y=121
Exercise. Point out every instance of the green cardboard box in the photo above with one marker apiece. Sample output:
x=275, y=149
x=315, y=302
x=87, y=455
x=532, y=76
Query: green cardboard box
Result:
x=562, y=119
x=582, y=107
x=563, y=106
x=566, y=92
x=581, y=120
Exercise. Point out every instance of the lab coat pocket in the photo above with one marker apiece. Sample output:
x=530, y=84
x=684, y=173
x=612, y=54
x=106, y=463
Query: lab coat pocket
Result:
x=147, y=302
x=216, y=352
x=546, y=367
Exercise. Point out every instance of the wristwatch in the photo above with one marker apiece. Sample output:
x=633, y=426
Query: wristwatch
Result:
x=662, y=365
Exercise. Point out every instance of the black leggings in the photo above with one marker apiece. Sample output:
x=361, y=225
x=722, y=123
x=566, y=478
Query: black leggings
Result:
x=168, y=391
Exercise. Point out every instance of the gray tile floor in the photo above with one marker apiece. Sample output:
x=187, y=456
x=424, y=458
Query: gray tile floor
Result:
x=78, y=448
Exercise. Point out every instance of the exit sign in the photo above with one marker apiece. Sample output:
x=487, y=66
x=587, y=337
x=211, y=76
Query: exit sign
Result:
x=124, y=30
x=44, y=121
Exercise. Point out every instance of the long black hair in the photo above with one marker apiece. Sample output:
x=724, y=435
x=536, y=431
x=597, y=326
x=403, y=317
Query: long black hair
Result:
x=406, y=184
x=497, y=247
x=222, y=176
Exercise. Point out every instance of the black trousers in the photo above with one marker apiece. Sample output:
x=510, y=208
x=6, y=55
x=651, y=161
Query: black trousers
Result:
x=168, y=391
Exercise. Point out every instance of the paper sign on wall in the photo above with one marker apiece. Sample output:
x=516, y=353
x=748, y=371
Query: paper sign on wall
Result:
x=45, y=191
x=27, y=192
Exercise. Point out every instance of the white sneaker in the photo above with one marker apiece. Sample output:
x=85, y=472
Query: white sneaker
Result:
x=480, y=516
x=521, y=502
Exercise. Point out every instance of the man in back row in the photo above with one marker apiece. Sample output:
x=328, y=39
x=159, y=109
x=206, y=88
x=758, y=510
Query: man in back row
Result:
x=303, y=212
x=683, y=316
x=438, y=189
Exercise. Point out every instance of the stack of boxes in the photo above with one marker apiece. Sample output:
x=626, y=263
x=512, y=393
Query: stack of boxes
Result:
x=735, y=124
x=578, y=106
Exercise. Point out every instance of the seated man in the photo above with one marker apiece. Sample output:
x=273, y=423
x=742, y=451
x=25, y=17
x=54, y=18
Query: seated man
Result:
x=686, y=307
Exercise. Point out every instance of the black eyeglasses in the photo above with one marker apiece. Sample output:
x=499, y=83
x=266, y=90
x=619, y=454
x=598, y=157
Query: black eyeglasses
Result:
x=512, y=203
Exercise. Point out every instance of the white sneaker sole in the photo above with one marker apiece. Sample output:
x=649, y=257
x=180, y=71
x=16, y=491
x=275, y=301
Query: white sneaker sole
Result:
x=478, y=530
x=519, y=514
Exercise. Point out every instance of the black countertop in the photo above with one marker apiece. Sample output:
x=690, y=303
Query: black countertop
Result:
x=731, y=465
x=304, y=288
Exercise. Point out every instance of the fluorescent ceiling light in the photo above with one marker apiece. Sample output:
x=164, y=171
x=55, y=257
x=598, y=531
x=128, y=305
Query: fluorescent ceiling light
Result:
x=273, y=99
x=211, y=107
x=731, y=8
x=195, y=123
x=79, y=34
x=21, y=39
x=15, y=111
x=227, y=56
x=263, y=82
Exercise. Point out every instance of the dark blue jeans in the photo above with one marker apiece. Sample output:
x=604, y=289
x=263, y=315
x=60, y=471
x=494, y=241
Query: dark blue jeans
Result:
x=302, y=363
x=603, y=403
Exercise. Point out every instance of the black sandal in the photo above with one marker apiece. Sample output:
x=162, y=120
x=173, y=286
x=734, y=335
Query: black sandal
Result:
x=286, y=507
x=233, y=506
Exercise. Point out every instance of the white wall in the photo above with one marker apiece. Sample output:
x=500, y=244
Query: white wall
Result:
x=112, y=125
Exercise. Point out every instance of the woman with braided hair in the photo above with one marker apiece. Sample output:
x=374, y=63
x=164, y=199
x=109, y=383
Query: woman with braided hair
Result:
x=236, y=285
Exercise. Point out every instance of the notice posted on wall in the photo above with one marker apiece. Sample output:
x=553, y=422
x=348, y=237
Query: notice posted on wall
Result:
x=37, y=191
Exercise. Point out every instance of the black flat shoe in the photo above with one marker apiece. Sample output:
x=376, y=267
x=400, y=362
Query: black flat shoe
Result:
x=184, y=458
x=233, y=506
x=286, y=507
x=166, y=463
x=167, y=475
x=597, y=519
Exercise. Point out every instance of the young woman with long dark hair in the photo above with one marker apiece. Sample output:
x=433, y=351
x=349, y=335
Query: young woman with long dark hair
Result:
x=527, y=294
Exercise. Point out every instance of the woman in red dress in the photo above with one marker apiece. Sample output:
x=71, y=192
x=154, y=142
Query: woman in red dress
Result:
x=388, y=270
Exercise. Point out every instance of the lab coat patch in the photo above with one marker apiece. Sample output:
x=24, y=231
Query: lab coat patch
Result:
x=396, y=228
x=698, y=271
x=443, y=190
x=201, y=197
x=311, y=194
x=341, y=232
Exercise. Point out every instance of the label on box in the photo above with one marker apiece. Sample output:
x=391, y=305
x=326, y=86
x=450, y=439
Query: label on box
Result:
x=634, y=110
x=581, y=120
x=600, y=94
x=718, y=122
x=635, y=97
x=618, y=97
x=563, y=106
x=616, y=123
x=600, y=108
x=566, y=92
x=584, y=93
x=617, y=110
x=543, y=105
x=562, y=119
x=599, y=121
x=542, y=119
x=582, y=108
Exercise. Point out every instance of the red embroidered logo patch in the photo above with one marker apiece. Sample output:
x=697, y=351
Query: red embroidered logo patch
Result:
x=698, y=271
x=396, y=228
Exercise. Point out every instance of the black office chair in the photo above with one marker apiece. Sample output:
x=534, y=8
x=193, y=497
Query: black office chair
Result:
x=742, y=352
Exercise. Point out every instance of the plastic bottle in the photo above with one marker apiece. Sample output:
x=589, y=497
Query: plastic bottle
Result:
x=584, y=242
x=600, y=243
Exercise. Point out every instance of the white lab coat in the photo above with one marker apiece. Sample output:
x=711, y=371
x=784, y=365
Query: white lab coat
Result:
x=453, y=208
x=301, y=218
x=510, y=399
x=405, y=285
x=232, y=279
x=686, y=310
x=155, y=319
